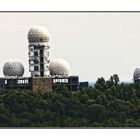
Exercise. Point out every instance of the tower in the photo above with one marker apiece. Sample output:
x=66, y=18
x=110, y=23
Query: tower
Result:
x=38, y=37
x=136, y=74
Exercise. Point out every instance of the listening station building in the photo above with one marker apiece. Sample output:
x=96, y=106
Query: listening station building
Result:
x=46, y=74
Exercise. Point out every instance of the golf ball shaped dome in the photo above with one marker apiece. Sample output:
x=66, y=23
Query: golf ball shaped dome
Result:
x=136, y=73
x=38, y=34
x=13, y=68
x=59, y=67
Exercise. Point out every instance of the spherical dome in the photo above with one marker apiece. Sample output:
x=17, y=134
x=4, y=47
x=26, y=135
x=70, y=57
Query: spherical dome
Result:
x=59, y=67
x=13, y=68
x=38, y=34
x=136, y=74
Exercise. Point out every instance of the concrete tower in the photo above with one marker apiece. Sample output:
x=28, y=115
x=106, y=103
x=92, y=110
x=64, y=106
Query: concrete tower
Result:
x=38, y=37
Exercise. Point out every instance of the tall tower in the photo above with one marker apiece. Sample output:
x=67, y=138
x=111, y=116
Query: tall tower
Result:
x=38, y=37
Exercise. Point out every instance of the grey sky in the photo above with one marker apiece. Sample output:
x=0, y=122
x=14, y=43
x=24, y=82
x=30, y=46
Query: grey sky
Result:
x=95, y=44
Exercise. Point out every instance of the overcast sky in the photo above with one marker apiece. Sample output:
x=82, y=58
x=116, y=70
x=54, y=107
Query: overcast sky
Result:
x=95, y=44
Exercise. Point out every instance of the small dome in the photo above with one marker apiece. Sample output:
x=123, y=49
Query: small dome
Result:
x=59, y=67
x=13, y=68
x=38, y=34
x=136, y=74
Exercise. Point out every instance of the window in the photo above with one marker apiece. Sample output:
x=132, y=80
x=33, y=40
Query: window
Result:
x=41, y=59
x=41, y=67
x=23, y=81
x=35, y=53
x=26, y=81
x=36, y=68
x=36, y=61
x=65, y=80
x=31, y=62
x=31, y=68
x=31, y=47
x=41, y=52
x=35, y=47
x=42, y=74
x=31, y=54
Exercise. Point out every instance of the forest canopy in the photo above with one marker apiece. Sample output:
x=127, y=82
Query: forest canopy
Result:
x=107, y=104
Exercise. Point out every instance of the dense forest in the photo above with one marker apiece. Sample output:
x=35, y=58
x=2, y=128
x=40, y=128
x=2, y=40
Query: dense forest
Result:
x=107, y=104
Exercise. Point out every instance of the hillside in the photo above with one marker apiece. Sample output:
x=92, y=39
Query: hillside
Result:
x=107, y=104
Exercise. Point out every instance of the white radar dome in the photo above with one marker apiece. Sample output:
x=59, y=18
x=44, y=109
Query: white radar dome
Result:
x=13, y=68
x=38, y=34
x=136, y=73
x=59, y=67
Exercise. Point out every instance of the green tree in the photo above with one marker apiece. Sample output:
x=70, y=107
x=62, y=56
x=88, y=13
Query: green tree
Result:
x=100, y=84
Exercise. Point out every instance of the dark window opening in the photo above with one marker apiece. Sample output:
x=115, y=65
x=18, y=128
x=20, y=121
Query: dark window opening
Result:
x=36, y=61
x=41, y=52
x=42, y=74
x=35, y=47
x=36, y=68
x=41, y=67
x=41, y=59
x=35, y=53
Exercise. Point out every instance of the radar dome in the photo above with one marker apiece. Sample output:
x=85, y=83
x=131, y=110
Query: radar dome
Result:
x=38, y=34
x=136, y=74
x=13, y=68
x=59, y=67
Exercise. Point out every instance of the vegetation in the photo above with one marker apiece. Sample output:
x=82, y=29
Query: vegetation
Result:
x=107, y=104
